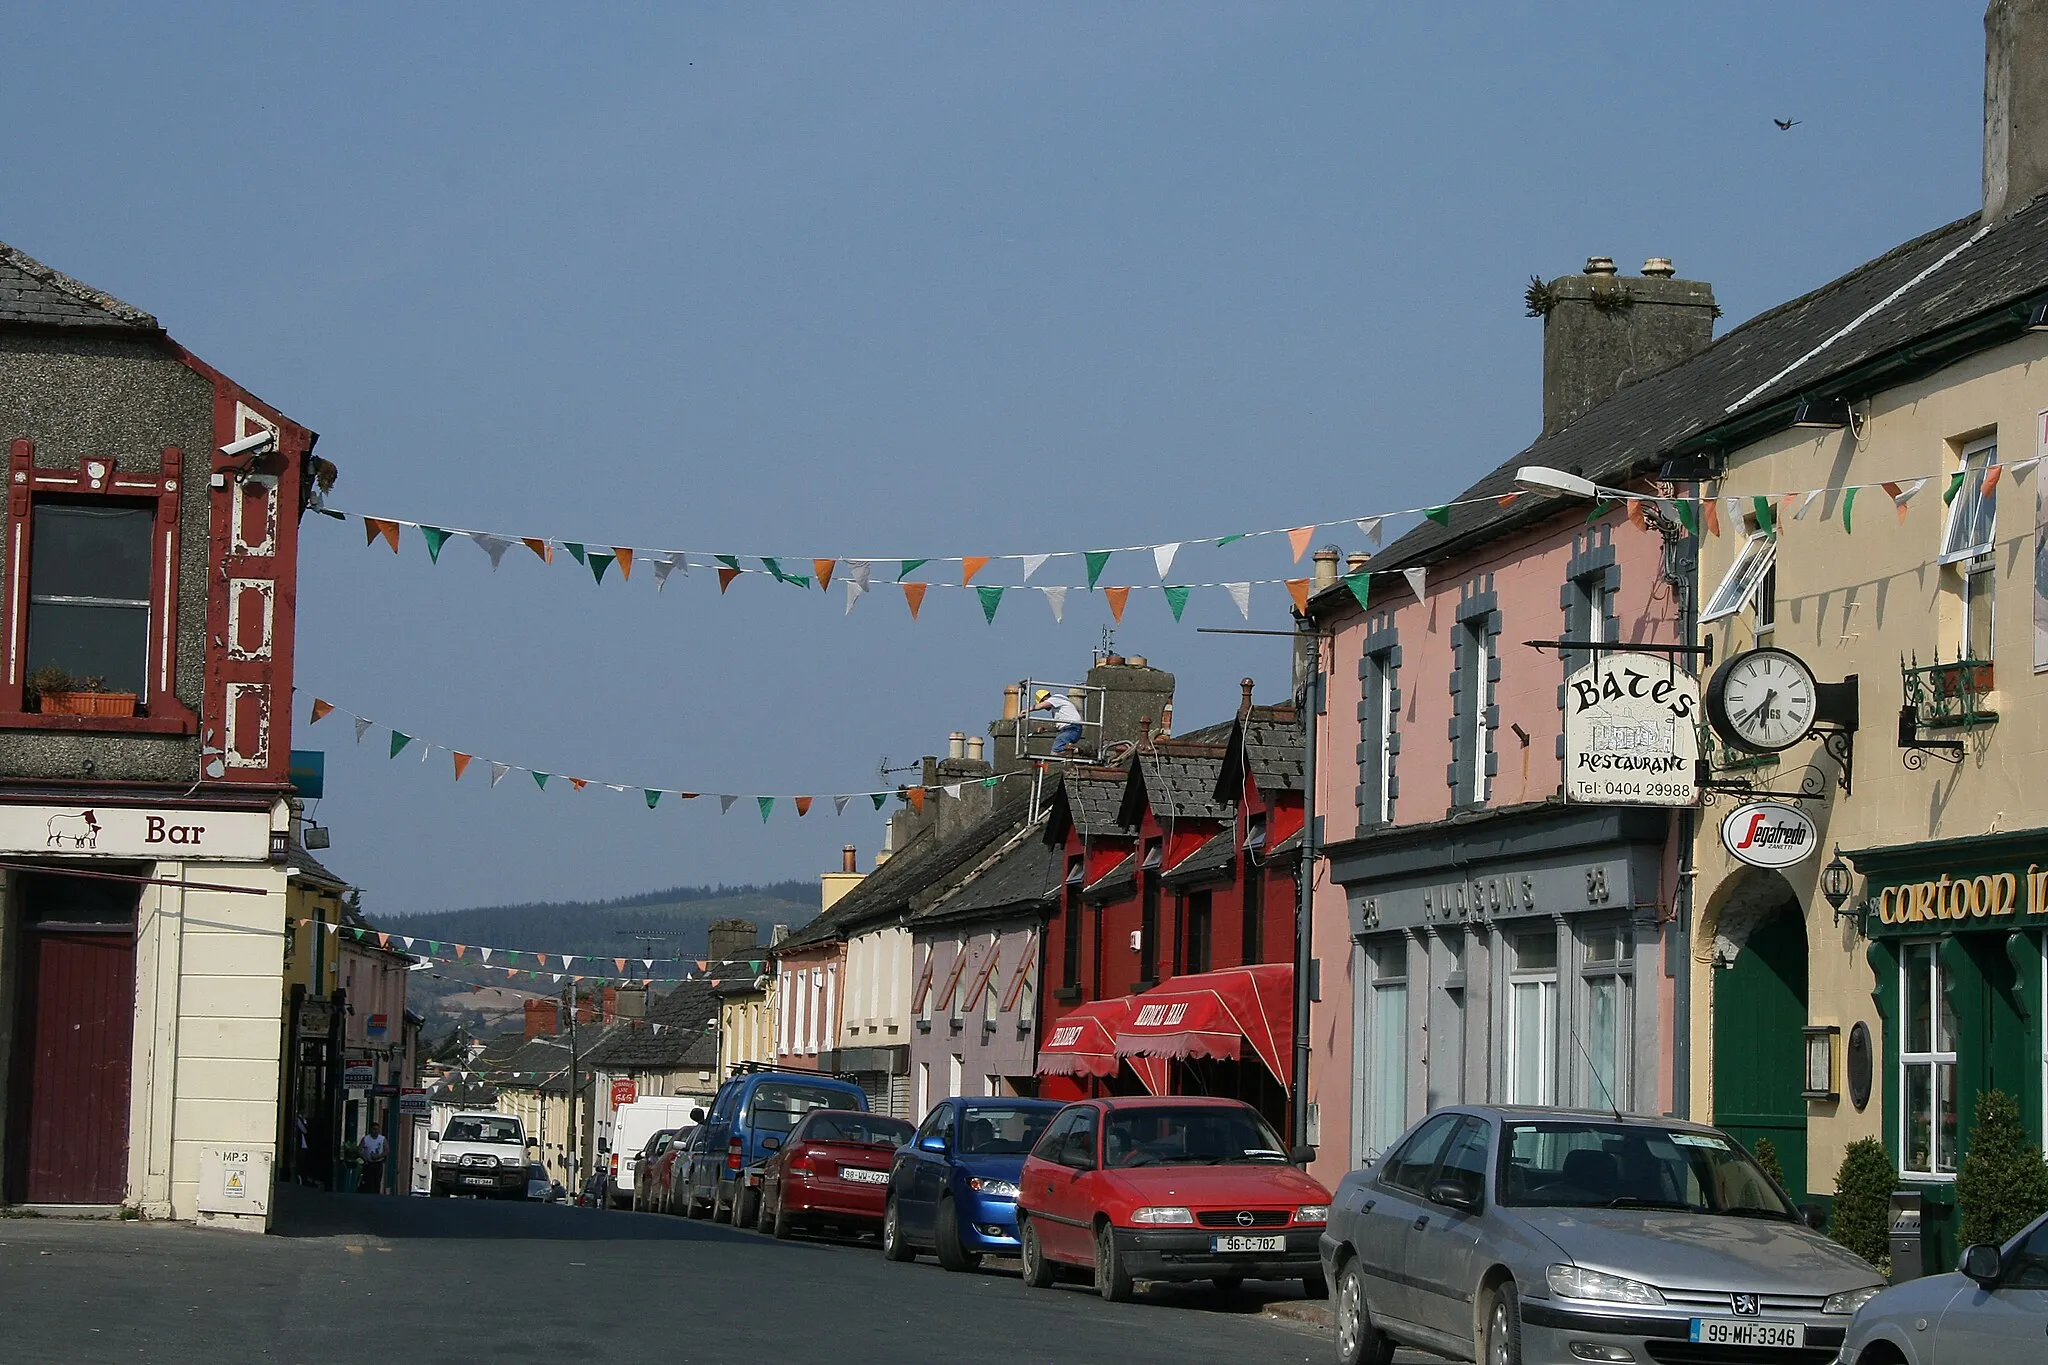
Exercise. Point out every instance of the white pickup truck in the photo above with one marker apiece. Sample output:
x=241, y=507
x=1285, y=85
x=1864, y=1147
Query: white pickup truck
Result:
x=481, y=1154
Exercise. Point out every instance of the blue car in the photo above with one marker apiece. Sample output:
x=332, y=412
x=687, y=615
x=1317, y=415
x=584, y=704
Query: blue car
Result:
x=953, y=1186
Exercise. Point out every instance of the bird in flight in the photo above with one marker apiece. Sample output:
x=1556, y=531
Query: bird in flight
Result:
x=1786, y=125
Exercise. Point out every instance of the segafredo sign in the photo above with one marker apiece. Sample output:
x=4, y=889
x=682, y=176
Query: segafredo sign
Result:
x=1766, y=834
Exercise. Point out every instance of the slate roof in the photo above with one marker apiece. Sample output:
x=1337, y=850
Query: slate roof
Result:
x=33, y=294
x=1023, y=874
x=1178, y=781
x=1270, y=740
x=1684, y=408
x=1088, y=800
x=538, y=1064
x=1213, y=858
x=689, y=1034
x=1124, y=874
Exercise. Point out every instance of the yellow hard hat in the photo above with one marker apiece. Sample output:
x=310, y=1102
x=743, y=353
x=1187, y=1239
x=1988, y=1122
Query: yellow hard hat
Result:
x=1042, y=694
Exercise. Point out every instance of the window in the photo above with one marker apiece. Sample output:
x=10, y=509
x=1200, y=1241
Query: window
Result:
x=1607, y=977
x=1211, y=1136
x=1070, y=929
x=1198, y=936
x=1475, y=666
x=1254, y=927
x=1000, y=1129
x=1386, y=1050
x=1148, y=915
x=1973, y=511
x=1409, y=1168
x=1464, y=1162
x=1377, y=708
x=1055, y=1140
x=1927, y=1061
x=89, y=580
x=1532, y=1018
x=1753, y=563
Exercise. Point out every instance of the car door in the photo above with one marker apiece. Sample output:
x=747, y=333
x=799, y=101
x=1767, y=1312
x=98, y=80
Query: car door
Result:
x=925, y=1175
x=1050, y=1182
x=2004, y=1325
x=1386, y=1225
x=711, y=1156
x=1074, y=1182
x=1444, y=1238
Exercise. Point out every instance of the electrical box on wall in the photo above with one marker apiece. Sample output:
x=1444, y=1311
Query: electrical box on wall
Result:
x=235, y=1180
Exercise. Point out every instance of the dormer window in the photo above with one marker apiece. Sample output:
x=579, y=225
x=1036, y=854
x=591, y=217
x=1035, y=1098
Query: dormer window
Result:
x=1255, y=831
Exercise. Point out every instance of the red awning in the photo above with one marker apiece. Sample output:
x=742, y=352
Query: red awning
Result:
x=1082, y=1041
x=1213, y=1014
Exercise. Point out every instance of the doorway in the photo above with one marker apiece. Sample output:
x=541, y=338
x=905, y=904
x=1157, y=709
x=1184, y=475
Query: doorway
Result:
x=67, y=1111
x=1759, y=1023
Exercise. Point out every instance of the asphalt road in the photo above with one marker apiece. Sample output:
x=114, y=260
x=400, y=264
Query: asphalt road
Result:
x=347, y=1279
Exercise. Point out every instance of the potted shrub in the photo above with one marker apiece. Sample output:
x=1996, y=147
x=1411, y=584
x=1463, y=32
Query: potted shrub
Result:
x=2003, y=1183
x=1862, y=1217
x=54, y=692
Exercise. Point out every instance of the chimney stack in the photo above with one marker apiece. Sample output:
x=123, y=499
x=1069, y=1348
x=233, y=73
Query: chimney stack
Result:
x=1326, y=567
x=731, y=938
x=2015, y=105
x=956, y=745
x=849, y=859
x=1602, y=332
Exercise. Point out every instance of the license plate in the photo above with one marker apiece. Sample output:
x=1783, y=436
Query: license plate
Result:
x=478, y=1180
x=1247, y=1244
x=860, y=1177
x=1742, y=1332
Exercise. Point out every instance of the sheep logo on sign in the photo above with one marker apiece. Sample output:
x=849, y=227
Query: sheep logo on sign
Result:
x=78, y=831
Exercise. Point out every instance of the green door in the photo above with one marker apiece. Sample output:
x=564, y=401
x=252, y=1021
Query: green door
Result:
x=1759, y=1016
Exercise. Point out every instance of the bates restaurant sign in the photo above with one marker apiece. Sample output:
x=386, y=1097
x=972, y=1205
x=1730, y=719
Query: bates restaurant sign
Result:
x=135, y=832
x=1631, y=732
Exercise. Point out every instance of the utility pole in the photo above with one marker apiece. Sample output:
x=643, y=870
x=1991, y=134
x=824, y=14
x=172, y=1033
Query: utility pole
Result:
x=575, y=1140
x=1304, y=915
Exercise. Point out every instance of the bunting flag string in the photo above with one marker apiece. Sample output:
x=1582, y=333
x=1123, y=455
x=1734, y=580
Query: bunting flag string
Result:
x=451, y=953
x=461, y=759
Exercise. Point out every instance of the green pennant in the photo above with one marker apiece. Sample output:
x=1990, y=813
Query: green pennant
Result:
x=767, y=804
x=1688, y=516
x=398, y=742
x=575, y=549
x=436, y=538
x=1360, y=584
x=774, y=567
x=1227, y=539
x=1440, y=515
x=433, y=947
x=1766, y=515
x=730, y=561
x=1600, y=509
x=1176, y=600
x=598, y=564
x=653, y=797
x=540, y=780
x=1955, y=486
x=879, y=798
x=1848, y=509
x=908, y=565
x=1096, y=560
x=757, y=967
x=990, y=781
x=797, y=580
x=991, y=598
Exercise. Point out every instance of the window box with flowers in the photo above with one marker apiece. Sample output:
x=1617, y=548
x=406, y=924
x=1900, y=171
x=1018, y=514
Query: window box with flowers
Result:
x=53, y=692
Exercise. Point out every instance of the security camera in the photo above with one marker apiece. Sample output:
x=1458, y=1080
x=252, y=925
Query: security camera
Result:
x=255, y=443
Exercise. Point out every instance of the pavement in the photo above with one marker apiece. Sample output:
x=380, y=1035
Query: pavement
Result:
x=387, y=1279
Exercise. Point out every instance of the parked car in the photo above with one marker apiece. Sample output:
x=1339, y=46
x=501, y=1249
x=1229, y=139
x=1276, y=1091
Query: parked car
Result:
x=1990, y=1311
x=953, y=1186
x=1168, y=1188
x=634, y=1125
x=480, y=1154
x=641, y=1164
x=651, y=1183
x=833, y=1170
x=595, y=1193
x=748, y=1119
x=540, y=1187
x=1505, y=1234
x=675, y=1171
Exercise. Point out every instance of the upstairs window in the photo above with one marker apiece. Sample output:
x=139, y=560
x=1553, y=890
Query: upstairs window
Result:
x=1973, y=511
x=1744, y=579
x=88, y=592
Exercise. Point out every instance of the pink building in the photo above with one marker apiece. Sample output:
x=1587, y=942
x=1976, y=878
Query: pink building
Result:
x=1478, y=938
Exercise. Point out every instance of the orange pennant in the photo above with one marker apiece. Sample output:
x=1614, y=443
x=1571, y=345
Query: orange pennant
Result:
x=383, y=940
x=970, y=566
x=461, y=765
x=461, y=948
x=1712, y=508
x=1508, y=499
x=543, y=958
x=321, y=709
x=1117, y=597
x=823, y=568
x=1991, y=480
x=803, y=805
x=1299, y=538
x=913, y=593
x=620, y=963
x=1297, y=588
x=725, y=578
x=539, y=547
x=624, y=554
x=579, y=783
x=1900, y=503
x=916, y=795
x=374, y=527
x=1635, y=513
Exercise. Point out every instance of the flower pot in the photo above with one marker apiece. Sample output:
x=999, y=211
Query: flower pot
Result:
x=88, y=703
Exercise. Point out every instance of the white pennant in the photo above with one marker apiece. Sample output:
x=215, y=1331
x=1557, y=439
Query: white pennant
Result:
x=332, y=928
x=498, y=771
x=648, y=962
x=426, y=750
x=1371, y=527
x=568, y=960
x=1241, y=593
x=953, y=790
x=1417, y=579
x=615, y=786
x=839, y=804
x=407, y=942
x=486, y=952
x=1162, y=556
x=558, y=978
x=858, y=571
x=1907, y=492
x=667, y=565
x=1805, y=503
x=1056, y=598
x=725, y=803
x=853, y=592
x=1735, y=511
x=2023, y=467
x=494, y=546
x=1032, y=564
x=362, y=728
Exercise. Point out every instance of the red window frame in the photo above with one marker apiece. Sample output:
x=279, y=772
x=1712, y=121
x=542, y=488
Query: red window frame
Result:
x=97, y=476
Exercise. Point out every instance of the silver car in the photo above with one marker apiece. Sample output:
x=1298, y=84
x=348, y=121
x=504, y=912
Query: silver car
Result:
x=1993, y=1311
x=1545, y=1235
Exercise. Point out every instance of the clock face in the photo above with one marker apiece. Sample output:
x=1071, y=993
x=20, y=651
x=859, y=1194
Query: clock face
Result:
x=1763, y=700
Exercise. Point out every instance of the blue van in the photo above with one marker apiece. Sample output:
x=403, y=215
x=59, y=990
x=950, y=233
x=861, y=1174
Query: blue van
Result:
x=749, y=1118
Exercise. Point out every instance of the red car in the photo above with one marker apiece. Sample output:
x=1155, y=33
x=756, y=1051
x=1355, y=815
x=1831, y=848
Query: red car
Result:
x=1171, y=1187
x=834, y=1169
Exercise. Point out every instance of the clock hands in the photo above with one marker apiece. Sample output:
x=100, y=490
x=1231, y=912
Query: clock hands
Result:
x=1764, y=706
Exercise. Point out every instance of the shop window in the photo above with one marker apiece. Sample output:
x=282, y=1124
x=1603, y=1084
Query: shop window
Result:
x=88, y=593
x=1447, y=1025
x=1927, y=1063
x=1386, y=1042
x=1607, y=981
x=1532, y=1018
x=1745, y=578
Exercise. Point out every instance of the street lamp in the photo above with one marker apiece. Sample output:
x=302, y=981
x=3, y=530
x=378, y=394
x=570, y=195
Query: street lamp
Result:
x=1538, y=478
x=1835, y=883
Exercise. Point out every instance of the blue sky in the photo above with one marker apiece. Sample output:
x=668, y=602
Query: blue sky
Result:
x=907, y=279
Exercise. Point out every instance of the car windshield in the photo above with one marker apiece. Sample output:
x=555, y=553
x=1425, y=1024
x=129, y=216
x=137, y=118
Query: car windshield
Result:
x=876, y=1130
x=1001, y=1129
x=778, y=1107
x=482, y=1130
x=1592, y=1165
x=536, y=1172
x=1208, y=1136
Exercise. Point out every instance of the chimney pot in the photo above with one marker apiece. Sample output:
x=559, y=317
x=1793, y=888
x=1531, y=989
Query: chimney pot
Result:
x=974, y=747
x=1354, y=562
x=956, y=744
x=1012, y=701
x=1166, y=721
x=1144, y=729
x=849, y=859
x=1659, y=268
x=1599, y=265
x=1326, y=566
x=1136, y=661
x=1244, y=704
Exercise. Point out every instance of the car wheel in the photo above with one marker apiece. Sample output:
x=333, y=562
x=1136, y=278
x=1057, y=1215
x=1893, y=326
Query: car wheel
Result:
x=764, y=1217
x=1112, y=1279
x=1358, y=1341
x=721, y=1212
x=747, y=1210
x=1504, y=1326
x=952, y=1255
x=894, y=1248
x=1038, y=1271
x=784, y=1226
x=1228, y=1284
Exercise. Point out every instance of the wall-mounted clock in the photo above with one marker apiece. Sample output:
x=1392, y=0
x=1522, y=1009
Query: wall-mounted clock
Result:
x=1763, y=700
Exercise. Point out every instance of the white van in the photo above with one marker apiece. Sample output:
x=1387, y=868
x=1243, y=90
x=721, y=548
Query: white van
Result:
x=632, y=1125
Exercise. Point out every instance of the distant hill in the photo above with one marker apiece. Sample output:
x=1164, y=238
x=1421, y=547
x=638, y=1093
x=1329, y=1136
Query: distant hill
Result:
x=678, y=918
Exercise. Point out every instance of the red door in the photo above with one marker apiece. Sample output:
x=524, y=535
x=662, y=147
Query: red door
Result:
x=68, y=1103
